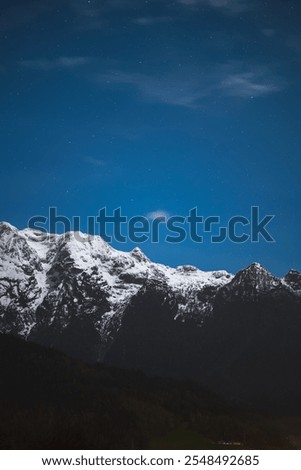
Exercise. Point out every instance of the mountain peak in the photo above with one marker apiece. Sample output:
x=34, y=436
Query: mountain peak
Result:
x=293, y=279
x=139, y=255
x=293, y=272
x=256, y=272
x=255, y=267
x=250, y=283
x=6, y=227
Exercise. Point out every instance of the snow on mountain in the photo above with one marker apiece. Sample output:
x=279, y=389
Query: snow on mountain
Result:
x=72, y=272
x=254, y=283
x=293, y=280
x=59, y=289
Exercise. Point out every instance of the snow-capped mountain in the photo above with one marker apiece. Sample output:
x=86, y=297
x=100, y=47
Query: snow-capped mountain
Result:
x=78, y=294
x=255, y=283
x=48, y=281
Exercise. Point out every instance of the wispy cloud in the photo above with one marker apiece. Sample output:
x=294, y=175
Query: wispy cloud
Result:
x=158, y=214
x=88, y=9
x=191, y=88
x=151, y=20
x=97, y=162
x=60, y=62
x=94, y=8
x=93, y=14
x=72, y=61
x=248, y=85
x=169, y=89
x=231, y=6
x=96, y=14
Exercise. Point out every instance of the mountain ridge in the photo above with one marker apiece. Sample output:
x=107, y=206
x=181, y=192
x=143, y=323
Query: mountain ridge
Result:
x=75, y=293
x=39, y=268
x=45, y=258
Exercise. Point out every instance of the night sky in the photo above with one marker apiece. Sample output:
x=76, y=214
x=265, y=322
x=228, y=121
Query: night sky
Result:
x=155, y=106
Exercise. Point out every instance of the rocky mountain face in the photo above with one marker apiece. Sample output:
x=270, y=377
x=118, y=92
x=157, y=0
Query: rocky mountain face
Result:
x=237, y=334
x=63, y=289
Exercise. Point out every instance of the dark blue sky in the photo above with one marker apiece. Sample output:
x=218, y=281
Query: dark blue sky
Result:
x=155, y=105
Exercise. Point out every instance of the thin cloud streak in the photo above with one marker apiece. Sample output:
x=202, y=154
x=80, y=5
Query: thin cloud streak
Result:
x=60, y=62
x=92, y=14
x=230, y=6
x=246, y=85
x=191, y=88
x=151, y=20
x=97, y=162
x=169, y=89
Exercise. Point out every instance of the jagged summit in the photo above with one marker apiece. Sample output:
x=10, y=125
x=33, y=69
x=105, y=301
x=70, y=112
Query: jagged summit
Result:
x=255, y=266
x=139, y=255
x=255, y=270
x=7, y=226
x=293, y=279
x=252, y=283
x=293, y=271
